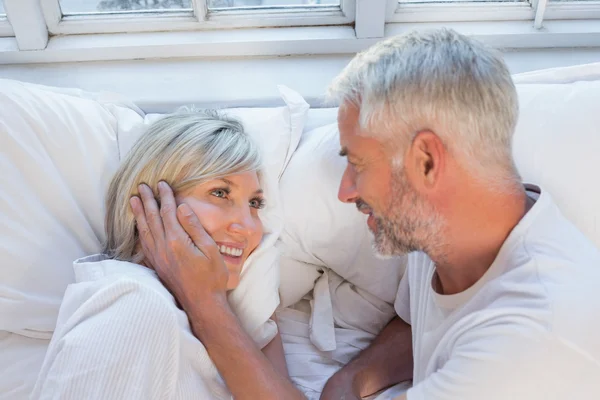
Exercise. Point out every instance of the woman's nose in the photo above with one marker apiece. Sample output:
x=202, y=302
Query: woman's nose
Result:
x=244, y=223
x=347, y=191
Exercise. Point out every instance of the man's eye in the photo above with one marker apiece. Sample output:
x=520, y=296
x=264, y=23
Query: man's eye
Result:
x=353, y=165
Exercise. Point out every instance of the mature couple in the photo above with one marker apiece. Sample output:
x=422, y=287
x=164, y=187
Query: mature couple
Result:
x=499, y=300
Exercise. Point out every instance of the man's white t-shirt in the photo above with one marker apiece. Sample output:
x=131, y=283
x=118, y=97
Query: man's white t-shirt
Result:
x=529, y=329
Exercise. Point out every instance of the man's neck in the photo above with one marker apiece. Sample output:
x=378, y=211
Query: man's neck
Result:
x=478, y=227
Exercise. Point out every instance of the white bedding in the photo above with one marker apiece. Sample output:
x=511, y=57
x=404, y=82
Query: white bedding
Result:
x=328, y=328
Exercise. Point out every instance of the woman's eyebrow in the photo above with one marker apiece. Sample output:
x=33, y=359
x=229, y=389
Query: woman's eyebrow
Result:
x=230, y=183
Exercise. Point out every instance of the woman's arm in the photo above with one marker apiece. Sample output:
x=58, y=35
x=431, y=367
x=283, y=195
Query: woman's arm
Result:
x=120, y=342
x=247, y=371
x=274, y=352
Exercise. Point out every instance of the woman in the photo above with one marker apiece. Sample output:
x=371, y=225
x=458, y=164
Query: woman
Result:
x=120, y=333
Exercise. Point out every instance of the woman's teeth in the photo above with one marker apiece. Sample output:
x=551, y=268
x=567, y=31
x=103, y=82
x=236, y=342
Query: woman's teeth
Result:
x=230, y=251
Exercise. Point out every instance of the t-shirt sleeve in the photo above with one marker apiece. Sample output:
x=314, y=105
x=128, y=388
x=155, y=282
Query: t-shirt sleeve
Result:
x=120, y=343
x=507, y=360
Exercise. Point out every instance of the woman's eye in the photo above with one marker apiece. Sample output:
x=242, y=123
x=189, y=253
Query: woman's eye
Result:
x=257, y=203
x=222, y=193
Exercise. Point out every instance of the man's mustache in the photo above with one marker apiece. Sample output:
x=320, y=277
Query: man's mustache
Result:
x=361, y=205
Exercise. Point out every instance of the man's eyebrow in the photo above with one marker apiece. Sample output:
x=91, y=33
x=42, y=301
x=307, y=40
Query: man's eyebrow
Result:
x=343, y=152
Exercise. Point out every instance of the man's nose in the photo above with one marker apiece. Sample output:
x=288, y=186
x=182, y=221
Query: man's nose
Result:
x=347, y=191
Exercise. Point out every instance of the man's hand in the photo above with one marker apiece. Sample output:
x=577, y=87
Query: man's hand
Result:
x=340, y=387
x=188, y=261
x=386, y=362
x=178, y=248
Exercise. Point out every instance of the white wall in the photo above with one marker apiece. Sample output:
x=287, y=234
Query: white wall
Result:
x=161, y=85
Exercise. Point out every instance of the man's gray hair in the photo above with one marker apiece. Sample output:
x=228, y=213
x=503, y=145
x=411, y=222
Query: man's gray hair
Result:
x=440, y=81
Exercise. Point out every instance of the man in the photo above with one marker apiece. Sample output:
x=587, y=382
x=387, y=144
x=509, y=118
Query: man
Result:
x=500, y=290
x=499, y=300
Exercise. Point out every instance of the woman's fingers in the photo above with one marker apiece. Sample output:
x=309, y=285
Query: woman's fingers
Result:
x=210, y=269
x=152, y=214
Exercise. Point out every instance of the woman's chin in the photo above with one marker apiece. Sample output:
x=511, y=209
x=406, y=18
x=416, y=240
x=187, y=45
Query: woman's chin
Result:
x=234, y=266
x=234, y=276
x=233, y=282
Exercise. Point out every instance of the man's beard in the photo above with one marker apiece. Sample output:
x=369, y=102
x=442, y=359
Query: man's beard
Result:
x=410, y=224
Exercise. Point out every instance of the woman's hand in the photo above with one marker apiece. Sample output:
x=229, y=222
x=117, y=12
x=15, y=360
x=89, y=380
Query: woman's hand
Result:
x=178, y=248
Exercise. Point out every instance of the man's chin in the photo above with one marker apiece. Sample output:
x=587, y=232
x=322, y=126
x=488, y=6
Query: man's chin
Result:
x=382, y=256
x=383, y=249
x=378, y=249
x=372, y=224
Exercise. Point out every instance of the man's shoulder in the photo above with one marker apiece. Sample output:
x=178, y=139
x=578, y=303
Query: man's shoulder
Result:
x=553, y=240
x=552, y=264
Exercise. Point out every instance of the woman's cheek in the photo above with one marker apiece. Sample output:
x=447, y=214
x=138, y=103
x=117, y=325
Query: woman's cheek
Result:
x=209, y=215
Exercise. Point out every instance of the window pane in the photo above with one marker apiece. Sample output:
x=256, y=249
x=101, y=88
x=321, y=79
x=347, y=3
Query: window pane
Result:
x=70, y=7
x=2, y=12
x=460, y=1
x=215, y=4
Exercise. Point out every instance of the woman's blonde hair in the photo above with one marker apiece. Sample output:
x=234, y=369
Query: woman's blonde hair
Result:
x=182, y=149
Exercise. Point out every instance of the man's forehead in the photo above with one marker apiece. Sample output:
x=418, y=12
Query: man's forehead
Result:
x=347, y=123
x=358, y=147
x=348, y=113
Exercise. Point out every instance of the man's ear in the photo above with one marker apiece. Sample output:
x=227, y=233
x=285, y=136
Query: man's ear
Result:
x=427, y=159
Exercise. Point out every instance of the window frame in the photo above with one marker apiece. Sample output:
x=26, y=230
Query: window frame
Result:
x=358, y=25
x=6, y=29
x=572, y=10
x=27, y=22
x=461, y=12
x=493, y=11
x=202, y=19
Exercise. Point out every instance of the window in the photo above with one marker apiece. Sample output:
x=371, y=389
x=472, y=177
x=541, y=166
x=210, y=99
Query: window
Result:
x=93, y=30
x=458, y=1
x=93, y=7
x=5, y=27
x=104, y=16
x=228, y=4
x=494, y=10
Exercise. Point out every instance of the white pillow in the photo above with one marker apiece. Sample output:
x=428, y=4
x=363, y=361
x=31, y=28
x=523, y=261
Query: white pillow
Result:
x=556, y=146
x=575, y=73
x=320, y=231
x=58, y=154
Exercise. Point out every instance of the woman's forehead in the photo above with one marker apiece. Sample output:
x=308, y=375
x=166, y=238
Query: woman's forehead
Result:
x=244, y=181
